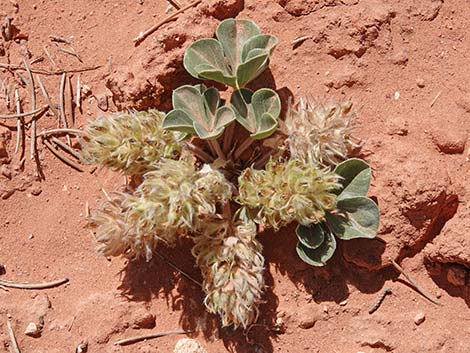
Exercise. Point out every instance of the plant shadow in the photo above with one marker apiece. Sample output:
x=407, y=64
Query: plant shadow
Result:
x=143, y=281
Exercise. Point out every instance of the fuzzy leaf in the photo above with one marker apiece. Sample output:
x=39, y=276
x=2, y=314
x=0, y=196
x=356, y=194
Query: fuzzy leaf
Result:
x=198, y=110
x=238, y=55
x=205, y=59
x=356, y=176
x=310, y=236
x=257, y=112
x=358, y=218
x=233, y=34
x=320, y=255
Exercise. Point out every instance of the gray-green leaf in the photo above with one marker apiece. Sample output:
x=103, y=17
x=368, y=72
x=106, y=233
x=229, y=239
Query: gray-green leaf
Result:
x=320, y=255
x=356, y=176
x=198, y=110
x=257, y=112
x=358, y=217
x=310, y=236
x=238, y=55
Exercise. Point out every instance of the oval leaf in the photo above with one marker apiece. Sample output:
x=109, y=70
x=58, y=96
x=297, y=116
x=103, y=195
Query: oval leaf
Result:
x=179, y=120
x=356, y=176
x=311, y=236
x=205, y=59
x=257, y=112
x=202, y=107
x=239, y=55
x=358, y=218
x=233, y=34
x=320, y=255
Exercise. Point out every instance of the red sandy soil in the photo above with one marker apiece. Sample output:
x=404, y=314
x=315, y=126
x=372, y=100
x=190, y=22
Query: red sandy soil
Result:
x=404, y=65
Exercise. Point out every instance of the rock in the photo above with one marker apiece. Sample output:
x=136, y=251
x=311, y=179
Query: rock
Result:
x=2, y=270
x=82, y=347
x=412, y=208
x=449, y=141
x=142, y=318
x=452, y=245
x=32, y=330
x=420, y=82
x=5, y=171
x=36, y=190
x=188, y=345
x=457, y=275
x=419, y=318
x=307, y=316
x=305, y=7
x=102, y=101
x=346, y=77
x=400, y=57
x=2, y=49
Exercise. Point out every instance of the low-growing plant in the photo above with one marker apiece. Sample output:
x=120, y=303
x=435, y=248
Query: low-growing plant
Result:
x=216, y=170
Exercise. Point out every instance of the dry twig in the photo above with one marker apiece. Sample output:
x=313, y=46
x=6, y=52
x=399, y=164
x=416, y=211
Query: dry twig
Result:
x=136, y=339
x=50, y=73
x=11, y=333
x=19, y=121
x=436, y=98
x=48, y=99
x=62, y=104
x=32, y=151
x=373, y=308
x=70, y=52
x=44, y=285
x=58, y=39
x=64, y=159
x=297, y=41
x=142, y=35
x=61, y=132
x=49, y=56
x=413, y=283
x=22, y=115
x=66, y=148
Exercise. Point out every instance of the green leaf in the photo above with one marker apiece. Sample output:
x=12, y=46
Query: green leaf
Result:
x=205, y=59
x=257, y=112
x=198, y=110
x=179, y=120
x=238, y=55
x=320, y=255
x=232, y=35
x=310, y=236
x=356, y=176
x=358, y=217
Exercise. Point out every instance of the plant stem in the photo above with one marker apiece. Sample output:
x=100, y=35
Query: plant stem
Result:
x=216, y=146
x=228, y=138
x=243, y=147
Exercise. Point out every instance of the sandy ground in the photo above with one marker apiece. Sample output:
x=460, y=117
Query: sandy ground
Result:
x=404, y=65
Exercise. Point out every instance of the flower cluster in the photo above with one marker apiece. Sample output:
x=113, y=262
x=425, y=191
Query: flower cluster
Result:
x=166, y=204
x=131, y=142
x=232, y=266
x=320, y=133
x=288, y=191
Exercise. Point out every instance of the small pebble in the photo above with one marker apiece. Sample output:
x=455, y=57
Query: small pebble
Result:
x=419, y=318
x=82, y=347
x=420, y=82
x=343, y=303
x=32, y=330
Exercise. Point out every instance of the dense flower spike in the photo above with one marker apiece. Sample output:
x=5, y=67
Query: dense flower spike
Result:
x=167, y=203
x=288, y=191
x=232, y=267
x=130, y=142
x=320, y=133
